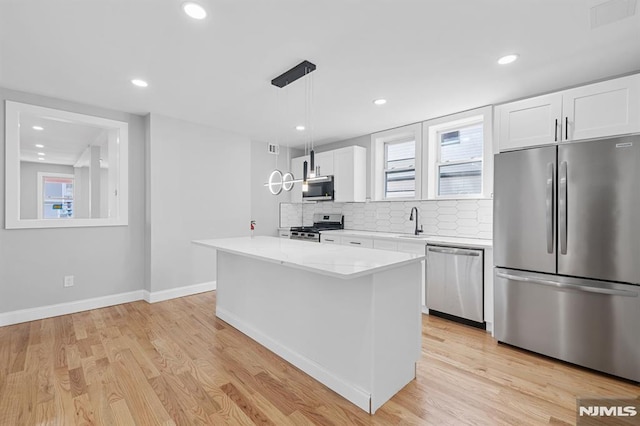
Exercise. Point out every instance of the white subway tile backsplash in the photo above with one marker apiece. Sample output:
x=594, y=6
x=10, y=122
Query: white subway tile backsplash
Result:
x=467, y=214
x=454, y=218
x=447, y=210
x=447, y=218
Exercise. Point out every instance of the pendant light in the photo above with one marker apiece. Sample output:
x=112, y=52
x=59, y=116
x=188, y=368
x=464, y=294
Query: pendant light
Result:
x=305, y=183
x=277, y=180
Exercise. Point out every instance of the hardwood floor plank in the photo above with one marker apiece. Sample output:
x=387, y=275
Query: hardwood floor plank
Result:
x=253, y=412
x=143, y=403
x=84, y=412
x=77, y=382
x=19, y=344
x=121, y=413
x=170, y=400
x=174, y=362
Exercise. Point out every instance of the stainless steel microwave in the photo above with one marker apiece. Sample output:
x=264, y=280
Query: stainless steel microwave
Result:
x=319, y=190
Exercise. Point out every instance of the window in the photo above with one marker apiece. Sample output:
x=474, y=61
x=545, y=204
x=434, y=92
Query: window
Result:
x=447, y=157
x=399, y=169
x=459, y=163
x=55, y=195
x=396, y=160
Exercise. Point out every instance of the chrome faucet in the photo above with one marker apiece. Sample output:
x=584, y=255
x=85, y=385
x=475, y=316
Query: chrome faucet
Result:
x=417, y=231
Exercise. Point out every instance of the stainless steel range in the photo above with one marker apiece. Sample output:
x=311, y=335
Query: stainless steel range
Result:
x=321, y=222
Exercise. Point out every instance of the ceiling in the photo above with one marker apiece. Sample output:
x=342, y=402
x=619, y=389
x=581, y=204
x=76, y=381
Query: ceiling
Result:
x=427, y=58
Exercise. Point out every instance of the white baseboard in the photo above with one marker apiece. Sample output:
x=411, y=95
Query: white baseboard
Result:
x=351, y=392
x=173, y=293
x=32, y=314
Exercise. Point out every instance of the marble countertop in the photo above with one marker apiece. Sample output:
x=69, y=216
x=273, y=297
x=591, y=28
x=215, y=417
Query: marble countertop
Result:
x=424, y=239
x=328, y=259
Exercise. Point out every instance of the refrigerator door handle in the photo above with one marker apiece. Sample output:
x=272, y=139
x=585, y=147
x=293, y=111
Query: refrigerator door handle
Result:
x=549, y=202
x=550, y=283
x=562, y=207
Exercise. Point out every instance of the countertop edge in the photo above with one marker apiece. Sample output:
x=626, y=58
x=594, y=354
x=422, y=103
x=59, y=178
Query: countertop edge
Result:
x=431, y=239
x=347, y=276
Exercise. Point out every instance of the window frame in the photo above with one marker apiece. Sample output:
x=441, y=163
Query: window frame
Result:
x=41, y=176
x=431, y=141
x=378, y=160
x=385, y=170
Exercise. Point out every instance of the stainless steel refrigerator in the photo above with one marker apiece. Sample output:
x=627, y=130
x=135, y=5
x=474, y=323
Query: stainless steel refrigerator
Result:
x=567, y=252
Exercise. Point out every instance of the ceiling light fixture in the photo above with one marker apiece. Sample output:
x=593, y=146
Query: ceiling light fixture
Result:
x=380, y=101
x=139, y=83
x=194, y=10
x=40, y=158
x=39, y=145
x=41, y=153
x=278, y=181
x=38, y=128
x=507, y=59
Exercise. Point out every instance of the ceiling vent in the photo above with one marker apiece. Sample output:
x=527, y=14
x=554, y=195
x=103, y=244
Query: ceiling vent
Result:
x=609, y=11
x=273, y=148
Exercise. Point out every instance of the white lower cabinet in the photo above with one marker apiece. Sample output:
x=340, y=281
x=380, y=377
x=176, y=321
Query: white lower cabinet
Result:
x=385, y=245
x=357, y=242
x=330, y=239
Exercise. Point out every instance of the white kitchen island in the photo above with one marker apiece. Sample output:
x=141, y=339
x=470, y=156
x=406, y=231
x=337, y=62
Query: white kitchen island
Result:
x=348, y=317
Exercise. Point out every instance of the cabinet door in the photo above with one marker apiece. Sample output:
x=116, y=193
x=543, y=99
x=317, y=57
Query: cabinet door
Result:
x=602, y=109
x=350, y=174
x=296, y=169
x=385, y=245
x=324, y=163
x=357, y=242
x=530, y=122
x=330, y=239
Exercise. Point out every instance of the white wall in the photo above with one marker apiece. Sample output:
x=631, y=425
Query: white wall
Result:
x=29, y=185
x=104, y=260
x=198, y=187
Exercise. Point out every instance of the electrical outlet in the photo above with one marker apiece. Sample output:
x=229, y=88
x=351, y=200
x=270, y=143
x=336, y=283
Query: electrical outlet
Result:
x=68, y=281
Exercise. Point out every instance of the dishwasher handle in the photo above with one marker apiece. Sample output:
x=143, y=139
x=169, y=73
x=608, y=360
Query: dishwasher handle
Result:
x=454, y=251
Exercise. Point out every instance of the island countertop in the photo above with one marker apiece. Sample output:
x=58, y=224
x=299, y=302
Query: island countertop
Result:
x=327, y=259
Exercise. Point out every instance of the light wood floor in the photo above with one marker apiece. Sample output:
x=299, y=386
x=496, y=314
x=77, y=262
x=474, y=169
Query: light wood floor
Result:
x=174, y=362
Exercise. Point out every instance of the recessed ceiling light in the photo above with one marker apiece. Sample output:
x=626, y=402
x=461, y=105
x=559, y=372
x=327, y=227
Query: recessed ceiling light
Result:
x=40, y=158
x=300, y=128
x=194, y=10
x=139, y=83
x=507, y=59
x=39, y=145
x=41, y=153
x=380, y=101
x=38, y=128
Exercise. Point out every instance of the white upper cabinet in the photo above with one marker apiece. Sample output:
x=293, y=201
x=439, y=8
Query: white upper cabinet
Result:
x=350, y=174
x=602, y=109
x=530, y=122
x=324, y=163
x=348, y=166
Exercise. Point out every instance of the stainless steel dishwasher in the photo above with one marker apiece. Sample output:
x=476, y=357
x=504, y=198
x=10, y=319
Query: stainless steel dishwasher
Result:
x=455, y=284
